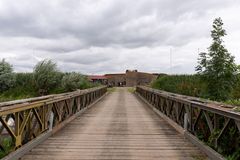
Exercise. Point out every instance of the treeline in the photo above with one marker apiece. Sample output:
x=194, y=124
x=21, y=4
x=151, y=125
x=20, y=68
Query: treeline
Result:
x=190, y=85
x=194, y=85
x=217, y=75
x=45, y=79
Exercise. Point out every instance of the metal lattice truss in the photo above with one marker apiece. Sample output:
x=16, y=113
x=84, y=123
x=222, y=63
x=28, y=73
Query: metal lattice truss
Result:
x=27, y=120
x=210, y=120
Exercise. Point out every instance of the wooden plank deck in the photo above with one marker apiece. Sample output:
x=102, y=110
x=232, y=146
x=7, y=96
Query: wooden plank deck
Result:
x=120, y=126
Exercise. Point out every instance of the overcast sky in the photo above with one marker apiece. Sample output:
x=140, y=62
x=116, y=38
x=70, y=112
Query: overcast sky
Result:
x=108, y=36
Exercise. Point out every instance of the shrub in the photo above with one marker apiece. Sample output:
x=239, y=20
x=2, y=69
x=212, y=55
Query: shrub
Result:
x=72, y=81
x=46, y=76
x=24, y=79
x=45, y=79
x=236, y=90
x=190, y=85
x=7, y=78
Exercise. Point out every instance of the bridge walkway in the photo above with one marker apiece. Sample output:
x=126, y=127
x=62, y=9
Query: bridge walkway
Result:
x=119, y=126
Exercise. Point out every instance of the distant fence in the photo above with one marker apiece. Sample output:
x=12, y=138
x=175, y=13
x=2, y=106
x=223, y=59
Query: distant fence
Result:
x=217, y=125
x=22, y=121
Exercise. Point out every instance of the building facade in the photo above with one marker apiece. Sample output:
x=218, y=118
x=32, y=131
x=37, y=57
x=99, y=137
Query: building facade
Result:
x=118, y=80
x=98, y=79
x=129, y=79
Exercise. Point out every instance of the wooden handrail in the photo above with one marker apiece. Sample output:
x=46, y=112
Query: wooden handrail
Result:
x=209, y=121
x=22, y=121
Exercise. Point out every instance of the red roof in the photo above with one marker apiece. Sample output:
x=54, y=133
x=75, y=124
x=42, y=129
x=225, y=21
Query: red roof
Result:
x=97, y=77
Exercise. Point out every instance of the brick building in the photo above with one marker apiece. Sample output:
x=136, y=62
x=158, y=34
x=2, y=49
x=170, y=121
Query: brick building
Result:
x=134, y=78
x=98, y=79
x=116, y=79
x=130, y=78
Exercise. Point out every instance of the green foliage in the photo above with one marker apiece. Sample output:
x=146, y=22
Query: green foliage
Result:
x=45, y=79
x=191, y=85
x=112, y=89
x=131, y=89
x=202, y=62
x=18, y=92
x=7, y=78
x=234, y=102
x=7, y=144
x=236, y=90
x=230, y=142
x=217, y=67
x=72, y=81
x=199, y=157
x=212, y=138
x=46, y=76
x=23, y=88
x=24, y=79
x=235, y=155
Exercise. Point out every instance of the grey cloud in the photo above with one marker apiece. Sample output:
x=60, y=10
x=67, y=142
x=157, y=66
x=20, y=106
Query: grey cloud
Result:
x=107, y=35
x=84, y=58
x=100, y=25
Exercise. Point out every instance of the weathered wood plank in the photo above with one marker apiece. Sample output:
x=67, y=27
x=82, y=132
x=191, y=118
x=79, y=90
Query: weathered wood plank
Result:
x=118, y=127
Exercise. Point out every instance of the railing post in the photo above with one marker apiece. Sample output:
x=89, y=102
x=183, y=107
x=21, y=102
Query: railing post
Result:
x=51, y=118
x=186, y=121
x=18, y=138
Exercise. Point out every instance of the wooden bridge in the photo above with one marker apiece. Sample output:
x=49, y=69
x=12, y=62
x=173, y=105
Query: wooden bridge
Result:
x=119, y=125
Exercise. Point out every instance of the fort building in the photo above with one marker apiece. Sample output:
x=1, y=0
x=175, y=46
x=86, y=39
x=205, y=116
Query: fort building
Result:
x=129, y=79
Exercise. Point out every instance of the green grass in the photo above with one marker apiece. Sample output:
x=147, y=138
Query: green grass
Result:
x=7, y=144
x=197, y=157
x=235, y=102
x=131, y=89
x=17, y=93
x=190, y=85
x=234, y=156
x=113, y=89
x=23, y=92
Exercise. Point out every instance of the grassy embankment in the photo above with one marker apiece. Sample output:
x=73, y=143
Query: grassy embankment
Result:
x=192, y=85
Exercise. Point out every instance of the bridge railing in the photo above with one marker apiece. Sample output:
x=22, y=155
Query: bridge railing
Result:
x=22, y=121
x=214, y=123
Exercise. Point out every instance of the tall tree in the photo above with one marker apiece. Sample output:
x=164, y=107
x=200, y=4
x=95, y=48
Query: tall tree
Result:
x=217, y=67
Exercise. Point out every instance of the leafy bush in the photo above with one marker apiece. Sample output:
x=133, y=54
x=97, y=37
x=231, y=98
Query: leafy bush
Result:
x=46, y=79
x=23, y=88
x=24, y=79
x=8, y=146
x=46, y=76
x=235, y=94
x=72, y=81
x=7, y=78
x=190, y=85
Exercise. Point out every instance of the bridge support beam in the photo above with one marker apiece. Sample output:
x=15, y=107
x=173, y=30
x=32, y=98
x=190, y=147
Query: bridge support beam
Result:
x=44, y=136
x=212, y=154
